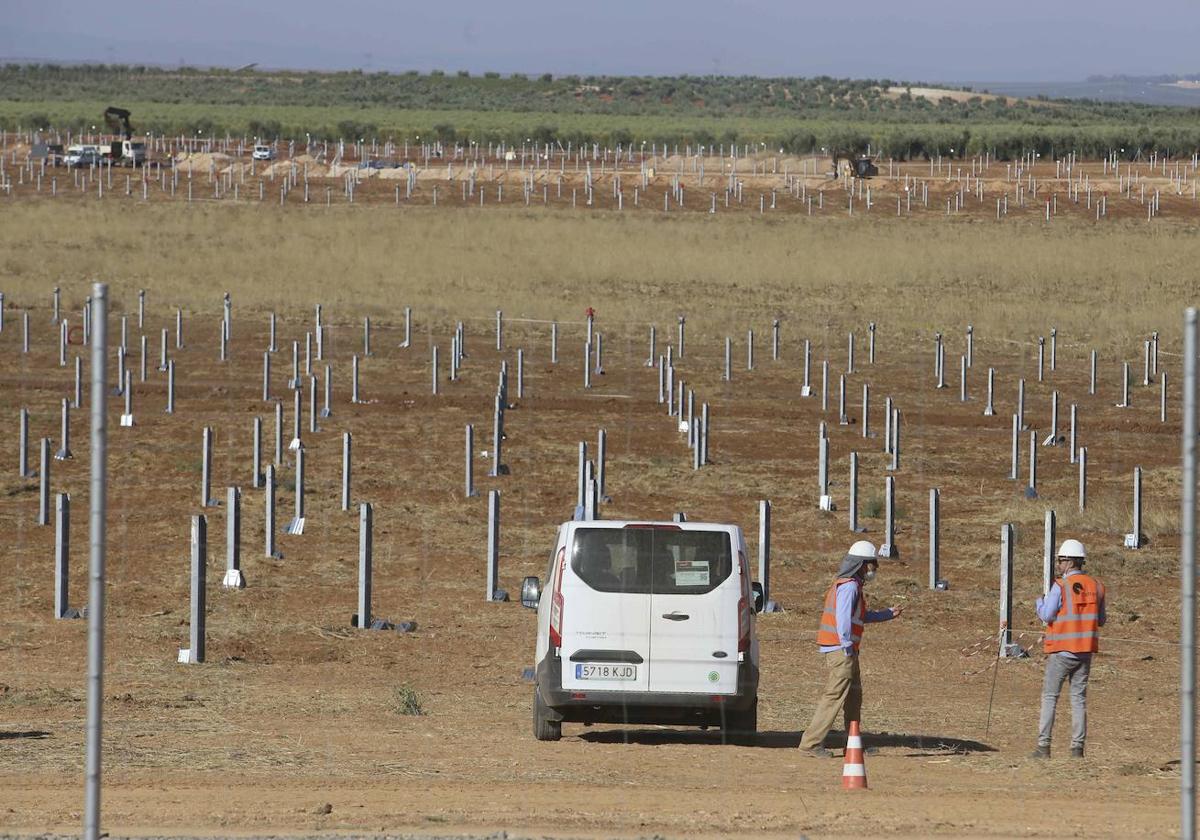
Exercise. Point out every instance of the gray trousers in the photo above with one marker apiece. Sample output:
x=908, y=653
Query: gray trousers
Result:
x=1061, y=667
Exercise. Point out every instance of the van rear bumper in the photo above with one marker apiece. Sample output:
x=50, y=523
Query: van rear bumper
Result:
x=643, y=706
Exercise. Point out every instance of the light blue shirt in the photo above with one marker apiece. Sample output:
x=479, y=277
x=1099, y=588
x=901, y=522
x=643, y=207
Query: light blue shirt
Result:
x=847, y=601
x=1049, y=605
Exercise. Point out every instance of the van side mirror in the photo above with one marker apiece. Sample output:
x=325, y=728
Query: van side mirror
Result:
x=531, y=592
x=757, y=589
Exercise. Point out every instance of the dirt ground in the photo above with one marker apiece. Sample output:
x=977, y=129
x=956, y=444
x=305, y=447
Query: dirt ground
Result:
x=297, y=722
x=762, y=184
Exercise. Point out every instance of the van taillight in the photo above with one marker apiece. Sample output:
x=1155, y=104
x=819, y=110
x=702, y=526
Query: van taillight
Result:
x=556, y=601
x=744, y=612
x=743, y=625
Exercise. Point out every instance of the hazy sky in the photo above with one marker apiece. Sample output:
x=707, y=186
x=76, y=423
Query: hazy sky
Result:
x=1015, y=40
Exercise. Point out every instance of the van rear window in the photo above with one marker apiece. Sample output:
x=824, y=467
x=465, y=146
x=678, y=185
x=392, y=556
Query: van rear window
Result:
x=652, y=560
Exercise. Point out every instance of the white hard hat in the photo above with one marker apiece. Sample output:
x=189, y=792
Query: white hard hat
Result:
x=1072, y=549
x=866, y=548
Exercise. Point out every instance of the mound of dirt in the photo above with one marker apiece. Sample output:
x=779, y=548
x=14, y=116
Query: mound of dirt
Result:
x=202, y=162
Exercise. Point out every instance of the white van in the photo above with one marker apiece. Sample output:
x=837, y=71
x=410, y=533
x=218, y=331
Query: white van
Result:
x=263, y=152
x=645, y=622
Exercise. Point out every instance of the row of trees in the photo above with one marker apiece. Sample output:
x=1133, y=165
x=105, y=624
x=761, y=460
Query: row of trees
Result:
x=906, y=142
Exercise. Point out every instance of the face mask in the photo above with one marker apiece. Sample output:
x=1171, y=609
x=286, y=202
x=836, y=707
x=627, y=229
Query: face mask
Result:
x=868, y=575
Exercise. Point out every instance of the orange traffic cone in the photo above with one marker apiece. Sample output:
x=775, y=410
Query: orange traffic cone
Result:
x=854, y=771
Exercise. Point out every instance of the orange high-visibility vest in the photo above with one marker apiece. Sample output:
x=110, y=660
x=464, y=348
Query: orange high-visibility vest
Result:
x=827, y=633
x=1076, y=628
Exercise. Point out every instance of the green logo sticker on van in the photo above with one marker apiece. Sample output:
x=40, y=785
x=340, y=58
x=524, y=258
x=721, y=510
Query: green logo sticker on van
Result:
x=713, y=676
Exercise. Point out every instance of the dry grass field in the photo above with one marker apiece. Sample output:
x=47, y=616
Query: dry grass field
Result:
x=295, y=710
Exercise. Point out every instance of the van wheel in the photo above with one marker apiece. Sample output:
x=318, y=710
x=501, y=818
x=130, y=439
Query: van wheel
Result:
x=547, y=726
x=745, y=721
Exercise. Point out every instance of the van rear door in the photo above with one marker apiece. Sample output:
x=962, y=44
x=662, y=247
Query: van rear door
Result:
x=694, y=612
x=605, y=609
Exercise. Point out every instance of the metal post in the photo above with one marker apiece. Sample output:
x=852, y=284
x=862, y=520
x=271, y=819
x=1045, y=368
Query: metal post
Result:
x=497, y=435
x=1053, y=348
x=23, y=452
x=843, y=420
x=1074, y=428
x=162, y=351
x=271, y=348
x=269, y=517
x=1136, y=541
x=823, y=470
x=990, y=410
x=1125, y=385
x=1041, y=367
x=1162, y=399
x=469, y=489
x=749, y=349
x=365, y=551
x=1033, y=461
x=266, y=375
x=704, y=435
x=895, y=465
x=764, y=548
x=866, y=410
x=935, y=501
x=62, y=553
x=256, y=462
x=775, y=341
x=65, y=451
x=278, y=460
x=1187, y=622
x=43, y=517
x=346, y=445
x=888, y=549
x=97, y=519
x=1048, y=540
x=170, y=387
x=435, y=370
x=233, y=540
x=1006, y=584
x=196, y=634
x=493, y=545
x=1054, y=418
x=1021, y=405
x=366, y=337
x=354, y=381
x=681, y=336
x=78, y=395
x=554, y=344
x=499, y=330
x=1083, y=478
x=602, y=456
x=581, y=476
x=850, y=354
x=853, y=506
x=825, y=385
x=1016, y=447
x=178, y=329
x=728, y=359
x=806, y=388
x=206, y=498
x=970, y=345
x=1092, y=381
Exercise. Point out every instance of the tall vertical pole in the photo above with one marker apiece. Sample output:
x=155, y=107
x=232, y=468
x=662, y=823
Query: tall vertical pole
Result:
x=853, y=492
x=493, y=544
x=233, y=539
x=935, y=498
x=602, y=456
x=199, y=583
x=365, y=551
x=1187, y=622
x=764, y=547
x=98, y=503
x=1006, y=584
x=469, y=489
x=269, y=517
x=62, y=553
x=346, y=445
x=1048, y=551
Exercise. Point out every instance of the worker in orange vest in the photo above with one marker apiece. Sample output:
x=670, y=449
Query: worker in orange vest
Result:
x=839, y=635
x=1073, y=611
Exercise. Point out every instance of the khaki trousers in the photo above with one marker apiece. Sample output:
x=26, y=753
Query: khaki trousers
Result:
x=843, y=692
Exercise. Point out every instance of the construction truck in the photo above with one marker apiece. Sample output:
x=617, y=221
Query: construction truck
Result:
x=126, y=151
x=854, y=166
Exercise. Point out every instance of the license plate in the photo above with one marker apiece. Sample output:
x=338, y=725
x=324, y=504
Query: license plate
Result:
x=596, y=671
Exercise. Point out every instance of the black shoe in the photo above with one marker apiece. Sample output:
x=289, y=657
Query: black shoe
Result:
x=817, y=752
x=1042, y=751
x=1076, y=752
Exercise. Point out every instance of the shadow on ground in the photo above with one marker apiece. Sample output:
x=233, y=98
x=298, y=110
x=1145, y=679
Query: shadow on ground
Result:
x=32, y=733
x=919, y=744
